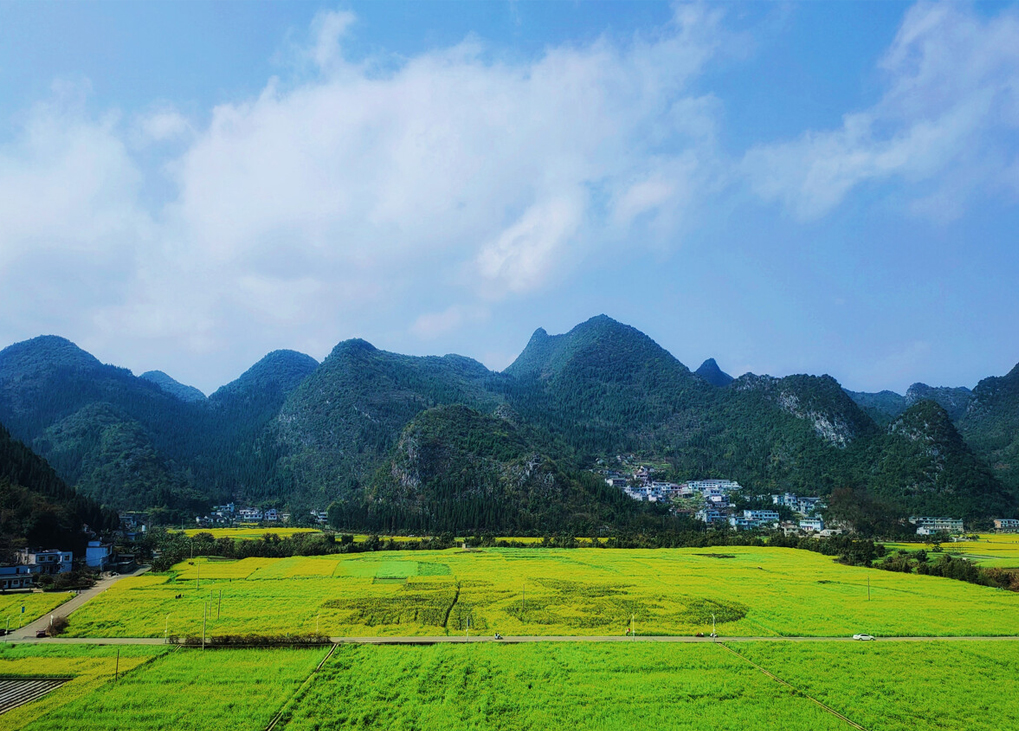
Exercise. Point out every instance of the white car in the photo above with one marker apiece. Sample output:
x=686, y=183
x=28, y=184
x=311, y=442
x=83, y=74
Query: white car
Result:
x=863, y=637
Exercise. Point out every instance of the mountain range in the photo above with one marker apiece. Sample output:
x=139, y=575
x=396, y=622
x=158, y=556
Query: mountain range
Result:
x=442, y=443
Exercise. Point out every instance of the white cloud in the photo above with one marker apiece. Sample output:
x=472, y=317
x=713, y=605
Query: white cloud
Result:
x=951, y=100
x=435, y=324
x=353, y=194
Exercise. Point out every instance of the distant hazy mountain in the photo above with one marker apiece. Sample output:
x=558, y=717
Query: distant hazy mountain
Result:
x=886, y=405
x=172, y=387
x=714, y=375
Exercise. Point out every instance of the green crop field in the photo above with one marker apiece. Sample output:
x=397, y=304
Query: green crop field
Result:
x=751, y=591
x=36, y=604
x=91, y=667
x=886, y=686
x=903, y=686
x=571, y=686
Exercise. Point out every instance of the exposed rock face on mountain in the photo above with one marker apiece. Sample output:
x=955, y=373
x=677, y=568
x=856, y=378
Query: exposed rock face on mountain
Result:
x=172, y=387
x=817, y=400
x=714, y=375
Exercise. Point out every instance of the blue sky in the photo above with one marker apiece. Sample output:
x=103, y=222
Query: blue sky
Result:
x=800, y=187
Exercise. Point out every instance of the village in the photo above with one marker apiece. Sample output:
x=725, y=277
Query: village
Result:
x=713, y=501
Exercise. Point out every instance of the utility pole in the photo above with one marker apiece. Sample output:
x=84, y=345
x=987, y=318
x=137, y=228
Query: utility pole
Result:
x=166, y=630
x=633, y=633
x=219, y=610
x=868, y=588
x=713, y=633
x=203, y=629
x=116, y=671
x=198, y=580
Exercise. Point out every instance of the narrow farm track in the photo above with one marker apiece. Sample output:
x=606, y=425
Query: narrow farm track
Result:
x=457, y=639
x=796, y=690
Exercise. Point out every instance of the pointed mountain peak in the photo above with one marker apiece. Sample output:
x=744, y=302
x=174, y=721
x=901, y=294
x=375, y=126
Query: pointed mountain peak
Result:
x=714, y=375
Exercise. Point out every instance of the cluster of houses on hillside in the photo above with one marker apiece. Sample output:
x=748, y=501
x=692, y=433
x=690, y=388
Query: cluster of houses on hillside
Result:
x=30, y=563
x=230, y=514
x=711, y=501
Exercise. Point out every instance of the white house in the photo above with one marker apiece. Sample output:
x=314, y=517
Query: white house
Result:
x=46, y=562
x=927, y=526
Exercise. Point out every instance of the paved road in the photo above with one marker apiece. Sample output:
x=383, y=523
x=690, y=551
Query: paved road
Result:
x=530, y=638
x=29, y=630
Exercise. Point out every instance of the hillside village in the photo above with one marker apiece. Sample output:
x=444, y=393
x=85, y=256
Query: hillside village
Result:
x=713, y=501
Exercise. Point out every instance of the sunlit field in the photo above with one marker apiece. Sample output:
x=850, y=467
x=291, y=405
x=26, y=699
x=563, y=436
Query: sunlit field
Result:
x=886, y=686
x=750, y=592
x=36, y=604
x=992, y=550
x=222, y=689
x=90, y=668
x=249, y=533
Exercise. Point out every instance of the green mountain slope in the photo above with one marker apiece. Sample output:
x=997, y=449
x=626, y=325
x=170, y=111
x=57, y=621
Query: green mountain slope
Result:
x=458, y=470
x=342, y=421
x=173, y=387
x=923, y=465
x=991, y=425
x=38, y=508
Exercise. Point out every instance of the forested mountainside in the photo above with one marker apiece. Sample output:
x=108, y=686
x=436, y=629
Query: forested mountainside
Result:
x=172, y=387
x=432, y=442
x=991, y=425
x=37, y=508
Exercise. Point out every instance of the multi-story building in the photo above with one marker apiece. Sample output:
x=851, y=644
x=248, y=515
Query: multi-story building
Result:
x=926, y=526
x=49, y=561
x=1006, y=525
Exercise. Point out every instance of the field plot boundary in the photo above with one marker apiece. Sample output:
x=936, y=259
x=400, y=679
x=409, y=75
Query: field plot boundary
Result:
x=794, y=689
x=299, y=693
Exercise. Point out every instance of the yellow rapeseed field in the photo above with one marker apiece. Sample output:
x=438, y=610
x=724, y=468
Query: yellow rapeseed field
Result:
x=750, y=591
x=36, y=604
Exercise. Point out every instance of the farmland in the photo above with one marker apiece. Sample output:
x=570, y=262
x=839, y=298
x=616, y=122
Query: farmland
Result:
x=248, y=533
x=90, y=667
x=237, y=689
x=36, y=604
x=993, y=550
x=750, y=591
x=528, y=686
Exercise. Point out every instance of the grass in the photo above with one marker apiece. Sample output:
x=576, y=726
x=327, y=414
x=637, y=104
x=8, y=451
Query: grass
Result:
x=903, y=686
x=188, y=689
x=92, y=667
x=884, y=686
x=36, y=604
x=751, y=591
x=581, y=686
